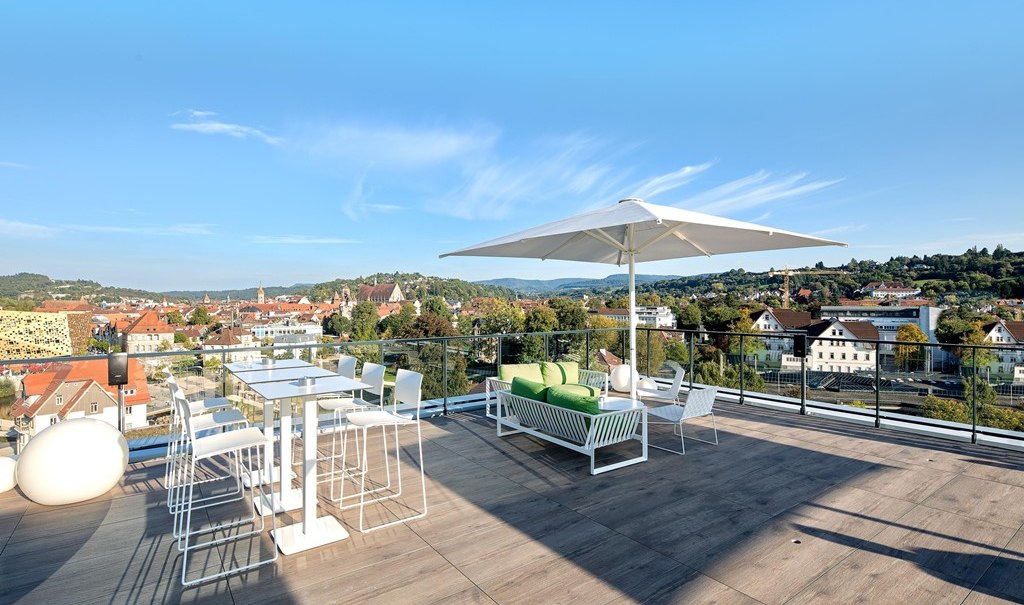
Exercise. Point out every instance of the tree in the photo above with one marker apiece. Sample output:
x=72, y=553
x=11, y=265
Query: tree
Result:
x=751, y=344
x=175, y=318
x=949, y=410
x=500, y=317
x=6, y=388
x=337, y=324
x=180, y=338
x=677, y=351
x=396, y=321
x=539, y=319
x=689, y=317
x=364, y=321
x=436, y=306
x=910, y=357
x=164, y=346
x=200, y=317
x=430, y=358
x=428, y=325
x=986, y=394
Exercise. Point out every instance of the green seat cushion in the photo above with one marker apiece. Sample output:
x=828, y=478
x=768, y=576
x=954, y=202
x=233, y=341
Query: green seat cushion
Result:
x=572, y=401
x=529, y=371
x=563, y=372
x=577, y=389
x=530, y=389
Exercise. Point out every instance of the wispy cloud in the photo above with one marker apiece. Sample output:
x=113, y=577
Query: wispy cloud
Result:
x=668, y=182
x=300, y=240
x=754, y=190
x=178, y=229
x=560, y=170
x=390, y=146
x=958, y=219
x=838, y=229
x=204, y=122
x=19, y=230
x=15, y=165
x=357, y=205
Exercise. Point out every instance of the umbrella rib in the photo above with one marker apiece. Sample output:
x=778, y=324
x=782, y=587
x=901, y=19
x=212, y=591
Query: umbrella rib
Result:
x=600, y=235
x=661, y=236
x=563, y=245
x=685, y=240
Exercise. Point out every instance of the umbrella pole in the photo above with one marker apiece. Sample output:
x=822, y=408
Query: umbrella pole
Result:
x=632, y=319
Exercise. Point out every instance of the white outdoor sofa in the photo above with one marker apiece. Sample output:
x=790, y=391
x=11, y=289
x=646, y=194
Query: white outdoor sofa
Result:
x=493, y=384
x=577, y=431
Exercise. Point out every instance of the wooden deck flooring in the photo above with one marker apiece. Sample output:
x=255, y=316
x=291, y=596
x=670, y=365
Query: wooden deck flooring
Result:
x=787, y=509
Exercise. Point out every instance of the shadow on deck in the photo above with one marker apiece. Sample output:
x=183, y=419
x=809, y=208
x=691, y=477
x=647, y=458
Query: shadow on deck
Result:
x=787, y=509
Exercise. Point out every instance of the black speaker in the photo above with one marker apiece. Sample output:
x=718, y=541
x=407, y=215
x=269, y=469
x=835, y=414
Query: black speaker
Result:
x=800, y=345
x=117, y=369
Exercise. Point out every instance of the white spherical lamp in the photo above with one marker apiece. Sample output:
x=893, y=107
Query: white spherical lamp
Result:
x=7, y=478
x=620, y=378
x=72, y=461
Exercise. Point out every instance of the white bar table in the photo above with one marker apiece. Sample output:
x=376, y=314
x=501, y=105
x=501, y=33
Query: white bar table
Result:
x=286, y=499
x=311, y=531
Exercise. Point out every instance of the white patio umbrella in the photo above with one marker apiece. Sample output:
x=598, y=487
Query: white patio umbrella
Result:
x=634, y=231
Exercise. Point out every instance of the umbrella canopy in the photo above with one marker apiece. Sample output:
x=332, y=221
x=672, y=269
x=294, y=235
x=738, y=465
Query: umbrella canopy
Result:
x=634, y=231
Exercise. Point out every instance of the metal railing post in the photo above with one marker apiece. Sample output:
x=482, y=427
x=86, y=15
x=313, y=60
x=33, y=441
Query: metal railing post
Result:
x=974, y=394
x=586, y=364
x=742, y=368
x=648, y=352
x=444, y=374
x=803, y=386
x=497, y=355
x=546, y=335
x=690, y=372
x=878, y=388
x=223, y=374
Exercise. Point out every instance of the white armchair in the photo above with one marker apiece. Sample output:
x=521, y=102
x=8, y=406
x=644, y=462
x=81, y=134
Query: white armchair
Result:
x=698, y=403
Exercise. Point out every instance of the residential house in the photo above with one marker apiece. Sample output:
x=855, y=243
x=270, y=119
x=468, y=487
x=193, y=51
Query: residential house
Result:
x=147, y=334
x=78, y=389
x=779, y=321
x=648, y=317
x=837, y=346
x=225, y=340
x=1009, y=362
x=883, y=290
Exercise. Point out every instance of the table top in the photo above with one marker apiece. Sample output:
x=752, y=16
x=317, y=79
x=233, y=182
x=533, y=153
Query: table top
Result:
x=282, y=374
x=251, y=366
x=293, y=388
x=614, y=404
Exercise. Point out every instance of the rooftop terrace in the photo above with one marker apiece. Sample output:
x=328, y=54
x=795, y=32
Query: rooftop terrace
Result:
x=788, y=509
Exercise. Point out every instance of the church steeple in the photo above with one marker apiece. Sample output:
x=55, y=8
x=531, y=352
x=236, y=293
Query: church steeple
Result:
x=261, y=296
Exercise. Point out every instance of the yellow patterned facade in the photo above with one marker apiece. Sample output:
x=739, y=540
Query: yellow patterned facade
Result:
x=26, y=335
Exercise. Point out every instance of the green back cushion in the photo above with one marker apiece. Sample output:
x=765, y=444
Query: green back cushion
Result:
x=564, y=398
x=578, y=389
x=530, y=389
x=529, y=371
x=563, y=372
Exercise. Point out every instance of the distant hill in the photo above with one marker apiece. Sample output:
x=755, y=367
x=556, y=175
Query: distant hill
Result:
x=33, y=286
x=414, y=286
x=239, y=294
x=568, y=285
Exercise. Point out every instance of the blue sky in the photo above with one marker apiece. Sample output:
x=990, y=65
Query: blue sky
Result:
x=216, y=145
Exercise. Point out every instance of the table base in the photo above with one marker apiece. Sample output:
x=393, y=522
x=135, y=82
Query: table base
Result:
x=291, y=539
x=247, y=479
x=293, y=501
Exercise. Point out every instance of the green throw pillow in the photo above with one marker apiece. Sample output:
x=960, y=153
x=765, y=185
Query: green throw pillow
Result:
x=563, y=372
x=572, y=401
x=529, y=371
x=577, y=389
x=523, y=387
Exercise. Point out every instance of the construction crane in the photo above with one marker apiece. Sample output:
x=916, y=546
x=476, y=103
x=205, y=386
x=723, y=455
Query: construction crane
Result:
x=786, y=272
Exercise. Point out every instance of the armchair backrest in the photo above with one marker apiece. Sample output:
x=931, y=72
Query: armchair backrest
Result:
x=347, y=366
x=408, y=389
x=700, y=402
x=373, y=375
x=677, y=381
